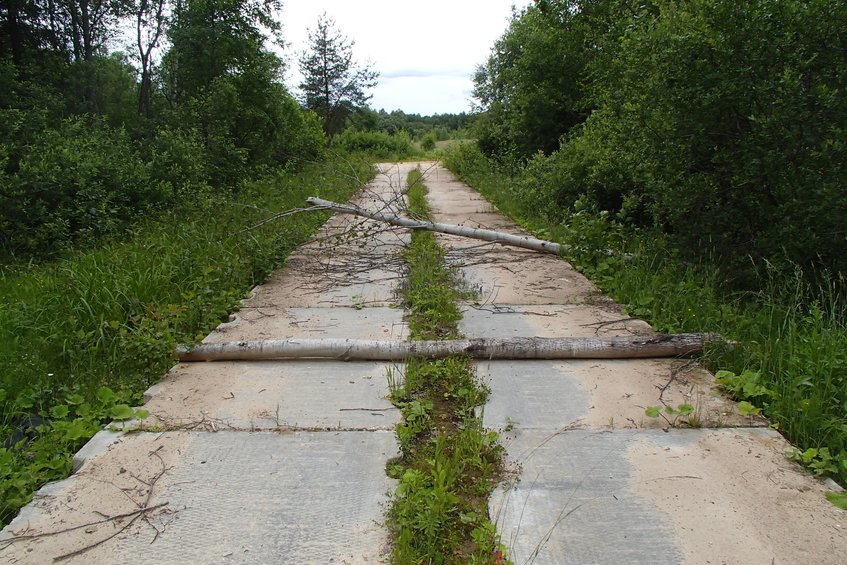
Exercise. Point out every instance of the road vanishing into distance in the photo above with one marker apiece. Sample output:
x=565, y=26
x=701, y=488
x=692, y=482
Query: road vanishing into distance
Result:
x=283, y=461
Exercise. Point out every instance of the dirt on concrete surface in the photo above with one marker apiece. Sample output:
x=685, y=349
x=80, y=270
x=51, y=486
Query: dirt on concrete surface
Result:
x=734, y=497
x=284, y=461
x=599, y=481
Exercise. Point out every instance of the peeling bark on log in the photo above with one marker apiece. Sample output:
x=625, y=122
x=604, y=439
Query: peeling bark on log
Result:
x=474, y=233
x=650, y=346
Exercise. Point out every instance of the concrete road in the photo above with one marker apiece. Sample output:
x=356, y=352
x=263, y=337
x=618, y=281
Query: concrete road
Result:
x=252, y=462
x=283, y=461
x=595, y=480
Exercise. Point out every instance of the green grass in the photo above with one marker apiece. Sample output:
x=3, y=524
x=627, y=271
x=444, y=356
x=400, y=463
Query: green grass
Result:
x=82, y=337
x=789, y=356
x=449, y=463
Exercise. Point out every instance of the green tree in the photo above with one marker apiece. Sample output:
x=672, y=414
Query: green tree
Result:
x=725, y=117
x=214, y=38
x=717, y=122
x=333, y=84
x=530, y=88
x=224, y=83
x=150, y=22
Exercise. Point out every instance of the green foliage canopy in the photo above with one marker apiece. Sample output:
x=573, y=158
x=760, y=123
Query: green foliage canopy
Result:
x=720, y=123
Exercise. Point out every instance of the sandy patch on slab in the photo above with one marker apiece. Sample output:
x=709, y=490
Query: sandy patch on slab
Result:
x=269, y=395
x=733, y=497
x=115, y=482
x=284, y=323
x=602, y=394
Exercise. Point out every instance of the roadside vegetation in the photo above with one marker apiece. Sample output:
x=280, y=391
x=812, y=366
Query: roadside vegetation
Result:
x=83, y=336
x=449, y=464
x=131, y=186
x=699, y=142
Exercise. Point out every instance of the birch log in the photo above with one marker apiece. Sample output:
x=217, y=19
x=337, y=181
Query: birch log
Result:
x=465, y=231
x=657, y=345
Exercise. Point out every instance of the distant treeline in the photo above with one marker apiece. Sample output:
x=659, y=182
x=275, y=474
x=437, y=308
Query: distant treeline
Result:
x=443, y=126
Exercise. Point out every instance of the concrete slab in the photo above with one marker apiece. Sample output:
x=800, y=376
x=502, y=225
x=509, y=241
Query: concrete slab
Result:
x=509, y=275
x=269, y=395
x=303, y=285
x=733, y=497
x=609, y=394
x=230, y=498
x=338, y=322
x=572, y=504
x=517, y=320
x=484, y=220
x=101, y=442
x=640, y=496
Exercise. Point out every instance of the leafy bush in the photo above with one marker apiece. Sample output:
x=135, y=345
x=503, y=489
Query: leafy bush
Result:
x=178, y=161
x=379, y=145
x=78, y=182
x=428, y=141
x=717, y=122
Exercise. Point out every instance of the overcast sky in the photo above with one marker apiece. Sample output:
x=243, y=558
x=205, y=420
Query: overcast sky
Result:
x=425, y=50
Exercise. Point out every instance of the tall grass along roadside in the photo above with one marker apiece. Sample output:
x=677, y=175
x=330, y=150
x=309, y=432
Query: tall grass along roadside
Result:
x=81, y=338
x=448, y=463
x=789, y=357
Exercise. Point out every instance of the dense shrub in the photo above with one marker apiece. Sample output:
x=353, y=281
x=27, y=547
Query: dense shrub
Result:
x=78, y=182
x=717, y=122
x=376, y=143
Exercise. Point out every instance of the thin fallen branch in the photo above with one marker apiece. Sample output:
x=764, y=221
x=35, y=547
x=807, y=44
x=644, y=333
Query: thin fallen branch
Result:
x=135, y=512
x=143, y=510
x=451, y=229
x=659, y=345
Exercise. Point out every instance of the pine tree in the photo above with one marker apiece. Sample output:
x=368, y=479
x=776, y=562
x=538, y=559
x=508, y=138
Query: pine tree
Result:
x=333, y=83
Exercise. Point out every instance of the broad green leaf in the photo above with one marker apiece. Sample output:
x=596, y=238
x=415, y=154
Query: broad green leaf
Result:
x=839, y=499
x=121, y=412
x=748, y=409
x=60, y=412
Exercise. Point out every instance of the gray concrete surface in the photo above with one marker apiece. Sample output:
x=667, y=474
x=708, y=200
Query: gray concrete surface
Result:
x=252, y=462
x=284, y=461
x=593, y=480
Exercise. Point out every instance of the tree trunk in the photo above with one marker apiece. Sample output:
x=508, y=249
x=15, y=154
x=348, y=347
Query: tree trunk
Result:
x=476, y=233
x=657, y=345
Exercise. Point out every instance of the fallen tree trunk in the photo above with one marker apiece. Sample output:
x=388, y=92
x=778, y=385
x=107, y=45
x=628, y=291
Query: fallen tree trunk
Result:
x=476, y=233
x=659, y=345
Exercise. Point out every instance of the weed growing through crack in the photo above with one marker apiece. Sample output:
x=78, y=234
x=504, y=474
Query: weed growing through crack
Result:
x=449, y=463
